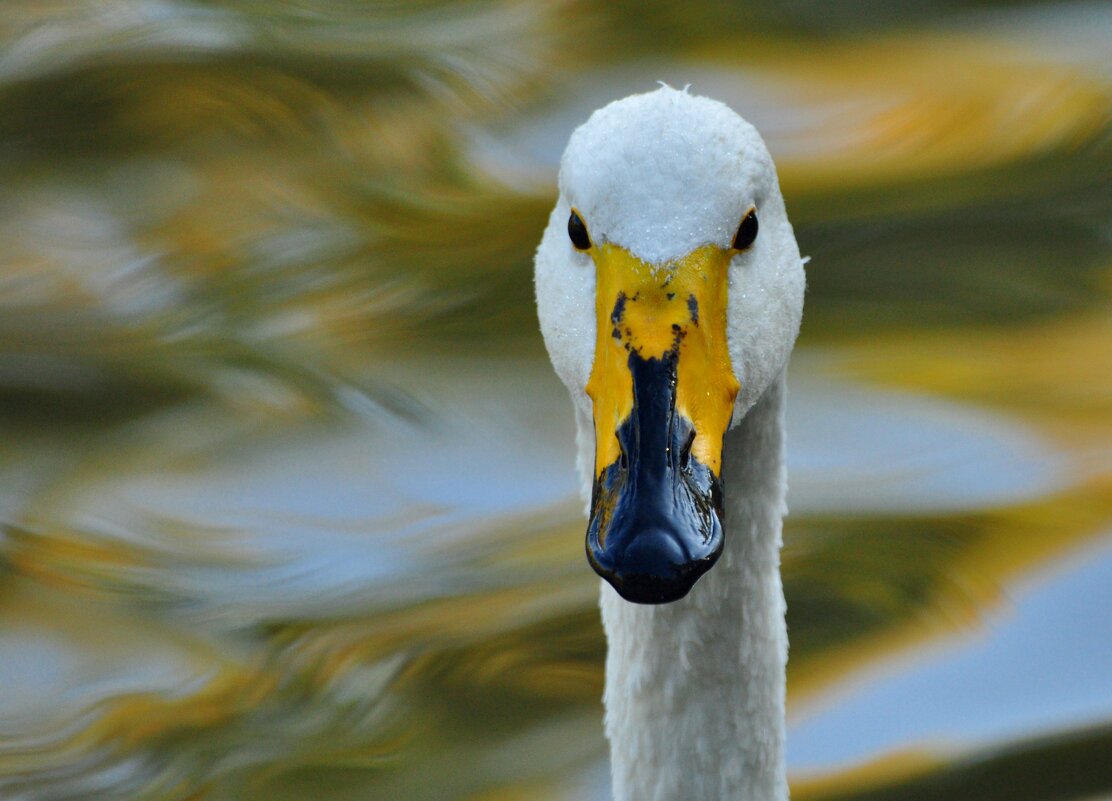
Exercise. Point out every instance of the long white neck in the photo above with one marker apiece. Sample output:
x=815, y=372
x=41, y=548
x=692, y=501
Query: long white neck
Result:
x=695, y=689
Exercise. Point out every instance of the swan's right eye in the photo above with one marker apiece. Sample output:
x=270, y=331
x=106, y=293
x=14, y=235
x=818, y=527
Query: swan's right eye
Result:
x=577, y=230
x=747, y=231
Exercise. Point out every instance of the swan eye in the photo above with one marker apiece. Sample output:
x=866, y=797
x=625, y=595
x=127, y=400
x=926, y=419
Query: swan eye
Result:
x=577, y=230
x=747, y=231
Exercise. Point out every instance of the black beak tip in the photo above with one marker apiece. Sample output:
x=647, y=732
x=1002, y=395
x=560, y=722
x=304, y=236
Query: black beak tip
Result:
x=659, y=574
x=651, y=589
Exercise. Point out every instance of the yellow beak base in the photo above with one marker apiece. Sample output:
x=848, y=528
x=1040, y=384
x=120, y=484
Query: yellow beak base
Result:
x=649, y=311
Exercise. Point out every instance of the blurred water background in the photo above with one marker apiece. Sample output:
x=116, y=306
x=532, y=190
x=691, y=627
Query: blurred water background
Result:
x=287, y=503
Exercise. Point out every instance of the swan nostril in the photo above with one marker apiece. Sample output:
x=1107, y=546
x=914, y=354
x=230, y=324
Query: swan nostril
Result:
x=685, y=448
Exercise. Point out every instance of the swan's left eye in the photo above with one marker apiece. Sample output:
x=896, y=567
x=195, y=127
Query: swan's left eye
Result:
x=747, y=231
x=577, y=230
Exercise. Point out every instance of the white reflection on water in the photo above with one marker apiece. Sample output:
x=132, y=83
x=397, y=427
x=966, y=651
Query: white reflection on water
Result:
x=63, y=655
x=1075, y=33
x=1041, y=665
x=864, y=450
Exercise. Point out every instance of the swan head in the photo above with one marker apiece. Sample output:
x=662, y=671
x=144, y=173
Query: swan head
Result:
x=669, y=291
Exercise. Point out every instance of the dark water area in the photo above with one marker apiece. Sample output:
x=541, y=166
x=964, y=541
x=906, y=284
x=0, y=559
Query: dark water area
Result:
x=288, y=506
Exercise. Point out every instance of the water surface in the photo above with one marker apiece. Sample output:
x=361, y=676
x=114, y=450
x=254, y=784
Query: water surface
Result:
x=287, y=493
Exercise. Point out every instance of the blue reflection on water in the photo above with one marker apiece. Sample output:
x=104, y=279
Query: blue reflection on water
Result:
x=867, y=450
x=1042, y=665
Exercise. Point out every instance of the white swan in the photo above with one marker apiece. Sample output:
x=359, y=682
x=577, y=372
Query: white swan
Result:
x=668, y=280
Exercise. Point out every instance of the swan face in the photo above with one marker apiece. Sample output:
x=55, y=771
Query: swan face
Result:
x=669, y=292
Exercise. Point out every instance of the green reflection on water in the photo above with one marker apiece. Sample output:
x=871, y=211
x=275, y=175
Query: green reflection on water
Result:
x=249, y=252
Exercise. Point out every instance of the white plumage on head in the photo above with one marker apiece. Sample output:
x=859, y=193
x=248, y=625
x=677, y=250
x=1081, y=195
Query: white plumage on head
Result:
x=665, y=172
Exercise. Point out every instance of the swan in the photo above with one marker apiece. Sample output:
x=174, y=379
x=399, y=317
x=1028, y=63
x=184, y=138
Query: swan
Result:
x=669, y=291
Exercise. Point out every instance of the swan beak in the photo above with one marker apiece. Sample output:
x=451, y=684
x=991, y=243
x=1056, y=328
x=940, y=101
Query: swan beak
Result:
x=663, y=391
